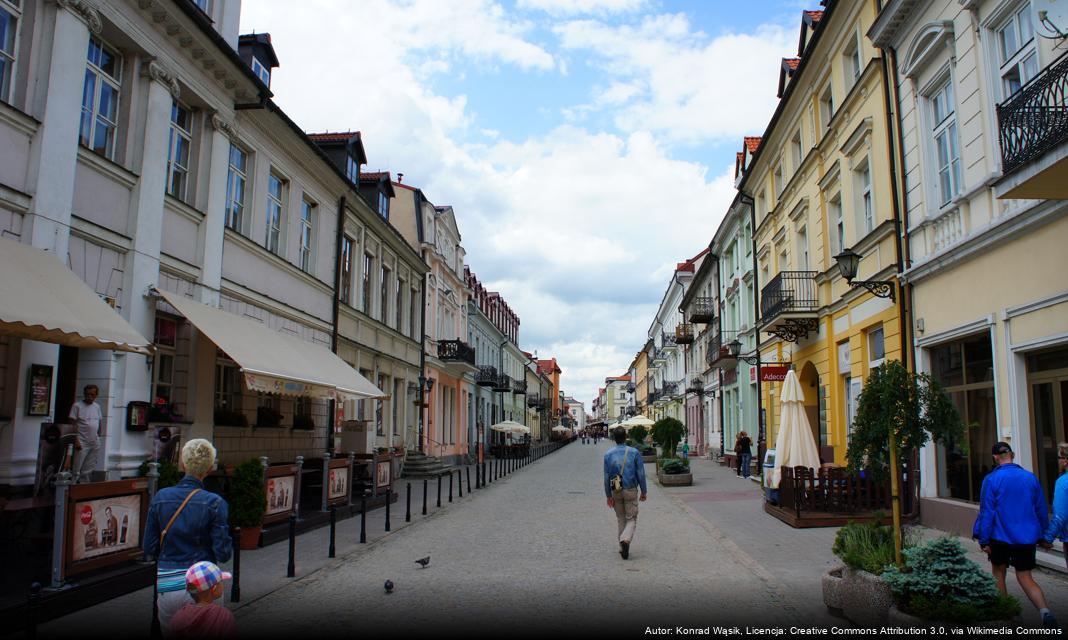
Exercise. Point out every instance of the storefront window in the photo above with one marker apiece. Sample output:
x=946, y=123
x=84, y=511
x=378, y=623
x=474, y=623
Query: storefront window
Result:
x=965, y=371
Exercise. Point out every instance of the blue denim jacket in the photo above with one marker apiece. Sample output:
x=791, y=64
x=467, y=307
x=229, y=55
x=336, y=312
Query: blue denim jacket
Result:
x=633, y=475
x=201, y=532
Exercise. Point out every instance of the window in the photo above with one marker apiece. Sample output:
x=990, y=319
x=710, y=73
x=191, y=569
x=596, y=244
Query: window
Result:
x=777, y=180
x=163, y=371
x=865, y=206
x=235, y=188
x=1017, y=54
x=798, y=148
x=396, y=401
x=178, y=151
x=826, y=106
x=203, y=6
x=100, y=99
x=261, y=71
x=302, y=413
x=383, y=205
x=413, y=308
x=383, y=309
x=307, y=234
x=837, y=223
x=379, y=407
x=368, y=264
x=784, y=260
x=853, y=66
x=9, y=20
x=398, y=305
x=876, y=348
x=943, y=110
x=802, y=249
x=227, y=389
x=275, y=207
x=346, y=270
x=352, y=169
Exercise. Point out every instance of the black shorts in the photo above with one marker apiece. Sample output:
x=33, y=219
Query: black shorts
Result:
x=1020, y=556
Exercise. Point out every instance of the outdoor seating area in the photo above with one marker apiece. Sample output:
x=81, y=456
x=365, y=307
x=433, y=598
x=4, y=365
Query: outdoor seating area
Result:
x=833, y=496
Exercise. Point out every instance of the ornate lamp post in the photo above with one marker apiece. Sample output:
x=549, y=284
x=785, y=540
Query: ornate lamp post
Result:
x=848, y=262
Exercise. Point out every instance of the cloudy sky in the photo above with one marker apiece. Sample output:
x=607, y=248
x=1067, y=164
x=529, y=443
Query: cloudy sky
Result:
x=586, y=145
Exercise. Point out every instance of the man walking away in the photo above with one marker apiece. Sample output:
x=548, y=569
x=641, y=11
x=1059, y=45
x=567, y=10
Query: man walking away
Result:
x=1012, y=519
x=86, y=416
x=624, y=474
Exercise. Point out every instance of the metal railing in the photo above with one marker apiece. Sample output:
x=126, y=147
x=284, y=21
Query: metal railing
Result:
x=456, y=351
x=519, y=386
x=504, y=383
x=789, y=291
x=668, y=340
x=671, y=389
x=486, y=376
x=659, y=355
x=684, y=333
x=716, y=350
x=703, y=310
x=1034, y=119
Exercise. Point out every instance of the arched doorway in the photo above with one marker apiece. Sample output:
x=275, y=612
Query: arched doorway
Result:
x=810, y=384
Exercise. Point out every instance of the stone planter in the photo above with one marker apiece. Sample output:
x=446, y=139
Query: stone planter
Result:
x=898, y=618
x=651, y=458
x=861, y=597
x=675, y=479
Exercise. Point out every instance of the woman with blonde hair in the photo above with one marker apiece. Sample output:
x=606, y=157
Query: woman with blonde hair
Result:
x=186, y=524
x=1058, y=524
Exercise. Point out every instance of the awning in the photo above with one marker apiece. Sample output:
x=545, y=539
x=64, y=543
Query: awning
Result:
x=272, y=361
x=41, y=299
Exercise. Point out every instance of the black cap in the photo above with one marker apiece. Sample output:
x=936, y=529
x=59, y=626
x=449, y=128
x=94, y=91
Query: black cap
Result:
x=1001, y=448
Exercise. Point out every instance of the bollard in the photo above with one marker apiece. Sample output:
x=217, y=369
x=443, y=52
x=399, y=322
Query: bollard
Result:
x=468, y=482
x=32, y=603
x=460, y=480
x=478, y=476
x=424, y=496
x=235, y=586
x=363, y=519
x=333, y=530
x=408, y=509
x=439, y=491
x=291, y=570
x=450, y=487
x=389, y=499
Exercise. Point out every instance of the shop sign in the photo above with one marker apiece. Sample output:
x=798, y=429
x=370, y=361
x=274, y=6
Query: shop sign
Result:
x=774, y=373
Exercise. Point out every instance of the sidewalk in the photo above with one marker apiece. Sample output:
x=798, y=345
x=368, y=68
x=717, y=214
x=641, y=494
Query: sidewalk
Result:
x=799, y=557
x=263, y=571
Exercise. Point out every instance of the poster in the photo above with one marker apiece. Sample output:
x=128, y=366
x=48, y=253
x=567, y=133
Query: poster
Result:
x=382, y=473
x=52, y=455
x=39, y=390
x=106, y=525
x=339, y=483
x=280, y=494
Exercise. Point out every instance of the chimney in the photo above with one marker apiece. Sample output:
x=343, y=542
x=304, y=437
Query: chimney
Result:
x=400, y=178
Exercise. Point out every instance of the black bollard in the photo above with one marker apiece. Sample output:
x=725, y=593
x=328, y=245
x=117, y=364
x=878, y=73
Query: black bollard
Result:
x=450, y=487
x=389, y=499
x=291, y=570
x=478, y=480
x=408, y=509
x=235, y=582
x=485, y=473
x=439, y=491
x=460, y=481
x=32, y=603
x=424, y=496
x=468, y=482
x=333, y=531
x=363, y=519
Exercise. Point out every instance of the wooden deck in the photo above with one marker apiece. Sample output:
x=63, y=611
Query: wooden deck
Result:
x=832, y=497
x=814, y=519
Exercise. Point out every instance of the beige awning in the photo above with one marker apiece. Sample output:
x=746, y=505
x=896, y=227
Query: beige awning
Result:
x=274, y=362
x=41, y=299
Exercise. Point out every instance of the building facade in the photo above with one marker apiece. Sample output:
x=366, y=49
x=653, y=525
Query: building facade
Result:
x=698, y=337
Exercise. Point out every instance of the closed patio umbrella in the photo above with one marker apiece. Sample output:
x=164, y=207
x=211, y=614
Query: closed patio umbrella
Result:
x=794, y=446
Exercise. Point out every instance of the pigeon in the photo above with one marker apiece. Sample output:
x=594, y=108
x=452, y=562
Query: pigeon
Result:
x=389, y=586
x=423, y=561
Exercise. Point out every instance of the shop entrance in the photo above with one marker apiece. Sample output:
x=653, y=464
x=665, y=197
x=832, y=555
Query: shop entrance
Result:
x=1047, y=377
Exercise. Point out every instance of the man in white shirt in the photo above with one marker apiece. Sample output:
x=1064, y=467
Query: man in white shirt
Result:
x=86, y=416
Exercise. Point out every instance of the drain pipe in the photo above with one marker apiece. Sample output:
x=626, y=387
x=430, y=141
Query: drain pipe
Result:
x=335, y=314
x=747, y=200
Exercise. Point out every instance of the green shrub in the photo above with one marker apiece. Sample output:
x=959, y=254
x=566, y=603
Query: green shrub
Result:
x=867, y=547
x=668, y=432
x=247, y=497
x=940, y=583
x=169, y=473
x=673, y=466
x=638, y=433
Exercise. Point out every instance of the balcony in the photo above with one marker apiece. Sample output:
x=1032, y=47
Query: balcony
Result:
x=703, y=310
x=654, y=396
x=1033, y=132
x=668, y=341
x=519, y=386
x=717, y=354
x=697, y=386
x=486, y=376
x=659, y=357
x=503, y=383
x=789, y=305
x=456, y=351
x=684, y=333
x=671, y=389
x=535, y=402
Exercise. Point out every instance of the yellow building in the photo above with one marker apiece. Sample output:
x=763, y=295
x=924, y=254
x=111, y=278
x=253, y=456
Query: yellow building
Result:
x=819, y=184
x=640, y=369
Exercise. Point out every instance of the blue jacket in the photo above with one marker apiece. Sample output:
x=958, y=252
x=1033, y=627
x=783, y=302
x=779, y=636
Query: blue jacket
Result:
x=633, y=475
x=201, y=532
x=1012, y=507
x=1058, y=525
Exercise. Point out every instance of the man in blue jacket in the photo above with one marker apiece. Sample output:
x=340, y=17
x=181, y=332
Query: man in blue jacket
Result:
x=626, y=463
x=1012, y=519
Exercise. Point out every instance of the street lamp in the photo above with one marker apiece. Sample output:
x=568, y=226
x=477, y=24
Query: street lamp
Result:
x=848, y=261
x=734, y=348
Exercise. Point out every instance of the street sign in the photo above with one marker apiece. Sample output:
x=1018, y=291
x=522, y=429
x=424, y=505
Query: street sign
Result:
x=773, y=373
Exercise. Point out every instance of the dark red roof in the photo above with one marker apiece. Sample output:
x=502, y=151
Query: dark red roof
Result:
x=341, y=136
x=814, y=16
x=791, y=62
x=374, y=176
x=752, y=143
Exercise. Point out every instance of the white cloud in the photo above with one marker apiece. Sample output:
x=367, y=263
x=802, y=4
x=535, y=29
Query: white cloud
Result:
x=575, y=7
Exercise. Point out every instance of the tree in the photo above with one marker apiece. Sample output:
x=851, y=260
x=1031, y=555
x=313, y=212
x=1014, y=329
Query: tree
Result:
x=668, y=432
x=638, y=433
x=905, y=410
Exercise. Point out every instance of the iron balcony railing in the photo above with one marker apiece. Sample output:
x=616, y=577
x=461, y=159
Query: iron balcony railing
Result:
x=789, y=291
x=668, y=340
x=671, y=389
x=654, y=395
x=1034, y=119
x=684, y=333
x=504, y=383
x=703, y=310
x=486, y=376
x=456, y=351
x=519, y=386
x=697, y=386
x=535, y=401
x=659, y=355
x=716, y=351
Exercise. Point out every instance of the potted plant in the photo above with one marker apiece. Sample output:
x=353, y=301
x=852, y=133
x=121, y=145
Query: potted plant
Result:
x=226, y=417
x=940, y=584
x=169, y=473
x=675, y=472
x=248, y=501
x=668, y=433
x=856, y=587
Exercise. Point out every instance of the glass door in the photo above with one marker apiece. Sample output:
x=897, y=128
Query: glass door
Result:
x=1047, y=415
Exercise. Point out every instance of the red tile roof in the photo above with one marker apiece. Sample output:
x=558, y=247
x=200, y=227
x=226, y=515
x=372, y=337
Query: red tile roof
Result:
x=814, y=16
x=374, y=176
x=341, y=136
x=752, y=143
x=791, y=62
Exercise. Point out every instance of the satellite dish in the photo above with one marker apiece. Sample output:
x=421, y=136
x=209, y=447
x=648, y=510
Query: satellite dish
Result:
x=1050, y=18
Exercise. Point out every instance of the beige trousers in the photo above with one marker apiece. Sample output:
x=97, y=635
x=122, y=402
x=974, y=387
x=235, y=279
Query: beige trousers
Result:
x=626, y=506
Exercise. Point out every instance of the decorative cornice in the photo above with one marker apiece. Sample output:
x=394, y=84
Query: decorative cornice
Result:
x=84, y=11
x=227, y=128
x=157, y=72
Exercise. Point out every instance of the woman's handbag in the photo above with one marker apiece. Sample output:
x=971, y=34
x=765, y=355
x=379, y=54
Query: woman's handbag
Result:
x=617, y=479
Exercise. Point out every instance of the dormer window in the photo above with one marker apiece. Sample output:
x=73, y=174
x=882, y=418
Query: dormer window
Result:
x=352, y=169
x=262, y=72
x=383, y=205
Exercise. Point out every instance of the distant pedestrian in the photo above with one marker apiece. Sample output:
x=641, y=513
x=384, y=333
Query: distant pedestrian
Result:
x=186, y=524
x=743, y=449
x=1012, y=519
x=203, y=618
x=86, y=416
x=1058, y=525
x=624, y=475
x=685, y=450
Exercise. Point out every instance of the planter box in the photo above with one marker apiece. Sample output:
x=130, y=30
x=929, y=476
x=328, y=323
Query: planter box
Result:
x=675, y=479
x=861, y=597
x=898, y=618
x=651, y=458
